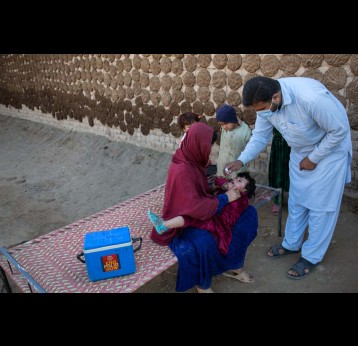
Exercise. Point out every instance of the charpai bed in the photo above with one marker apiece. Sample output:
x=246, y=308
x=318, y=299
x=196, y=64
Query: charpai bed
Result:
x=49, y=263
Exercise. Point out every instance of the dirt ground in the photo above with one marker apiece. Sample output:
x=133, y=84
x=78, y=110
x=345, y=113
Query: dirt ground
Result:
x=50, y=178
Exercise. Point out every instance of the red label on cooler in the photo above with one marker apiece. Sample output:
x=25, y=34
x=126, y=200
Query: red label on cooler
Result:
x=110, y=263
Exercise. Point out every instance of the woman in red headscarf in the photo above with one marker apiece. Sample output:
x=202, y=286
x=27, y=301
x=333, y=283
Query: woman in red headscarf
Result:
x=187, y=193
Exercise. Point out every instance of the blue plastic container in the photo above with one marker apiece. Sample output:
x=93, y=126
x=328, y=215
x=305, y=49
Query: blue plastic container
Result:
x=109, y=253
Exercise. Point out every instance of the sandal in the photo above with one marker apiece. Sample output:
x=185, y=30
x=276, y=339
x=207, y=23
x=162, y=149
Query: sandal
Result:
x=240, y=275
x=302, y=268
x=204, y=290
x=276, y=253
x=275, y=210
x=157, y=222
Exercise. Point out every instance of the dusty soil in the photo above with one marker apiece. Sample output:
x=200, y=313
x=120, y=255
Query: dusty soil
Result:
x=50, y=178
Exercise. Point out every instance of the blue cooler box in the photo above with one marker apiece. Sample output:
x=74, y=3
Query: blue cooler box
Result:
x=109, y=253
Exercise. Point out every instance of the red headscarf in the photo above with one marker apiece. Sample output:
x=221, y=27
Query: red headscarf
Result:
x=187, y=191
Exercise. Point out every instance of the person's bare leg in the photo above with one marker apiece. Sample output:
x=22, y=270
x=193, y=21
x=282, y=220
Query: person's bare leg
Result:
x=161, y=225
x=175, y=222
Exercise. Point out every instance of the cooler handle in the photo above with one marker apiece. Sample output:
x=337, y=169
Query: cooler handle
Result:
x=140, y=239
x=79, y=257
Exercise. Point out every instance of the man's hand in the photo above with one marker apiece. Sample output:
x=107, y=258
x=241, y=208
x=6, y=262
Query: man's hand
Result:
x=232, y=166
x=307, y=165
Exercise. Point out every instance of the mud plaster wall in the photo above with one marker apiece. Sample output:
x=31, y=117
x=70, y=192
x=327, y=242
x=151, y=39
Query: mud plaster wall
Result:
x=136, y=98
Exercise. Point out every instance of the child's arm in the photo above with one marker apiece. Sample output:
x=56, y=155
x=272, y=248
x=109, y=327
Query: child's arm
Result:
x=223, y=183
x=219, y=181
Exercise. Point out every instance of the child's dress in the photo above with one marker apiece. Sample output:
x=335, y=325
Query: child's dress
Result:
x=221, y=224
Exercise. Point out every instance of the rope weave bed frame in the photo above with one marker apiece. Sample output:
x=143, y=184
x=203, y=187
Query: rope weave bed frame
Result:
x=48, y=263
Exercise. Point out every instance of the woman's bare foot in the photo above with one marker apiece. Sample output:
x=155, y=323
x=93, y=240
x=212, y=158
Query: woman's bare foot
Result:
x=241, y=275
x=202, y=290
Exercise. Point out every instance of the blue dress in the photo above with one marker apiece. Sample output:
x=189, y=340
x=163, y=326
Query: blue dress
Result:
x=198, y=255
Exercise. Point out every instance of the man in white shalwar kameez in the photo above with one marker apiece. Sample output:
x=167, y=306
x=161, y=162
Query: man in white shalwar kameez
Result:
x=315, y=125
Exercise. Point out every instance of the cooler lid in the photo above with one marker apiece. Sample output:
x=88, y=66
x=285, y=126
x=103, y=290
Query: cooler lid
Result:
x=102, y=238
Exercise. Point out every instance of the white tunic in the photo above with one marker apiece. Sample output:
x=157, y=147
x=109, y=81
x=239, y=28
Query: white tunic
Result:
x=232, y=143
x=315, y=124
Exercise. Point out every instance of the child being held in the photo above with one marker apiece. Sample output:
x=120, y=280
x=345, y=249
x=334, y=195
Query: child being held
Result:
x=221, y=224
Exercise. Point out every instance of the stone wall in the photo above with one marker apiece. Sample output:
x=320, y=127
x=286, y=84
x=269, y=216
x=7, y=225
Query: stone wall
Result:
x=137, y=97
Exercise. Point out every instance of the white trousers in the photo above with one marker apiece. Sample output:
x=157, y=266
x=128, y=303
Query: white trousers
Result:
x=321, y=225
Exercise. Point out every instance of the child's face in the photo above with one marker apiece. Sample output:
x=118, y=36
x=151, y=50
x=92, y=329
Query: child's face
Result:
x=240, y=183
x=186, y=128
x=228, y=126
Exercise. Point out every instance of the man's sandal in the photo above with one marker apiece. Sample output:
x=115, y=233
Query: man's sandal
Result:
x=279, y=251
x=300, y=269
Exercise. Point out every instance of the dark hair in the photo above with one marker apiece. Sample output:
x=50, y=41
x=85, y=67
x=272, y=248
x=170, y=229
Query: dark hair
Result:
x=251, y=185
x=187, y=118
x=259, y=89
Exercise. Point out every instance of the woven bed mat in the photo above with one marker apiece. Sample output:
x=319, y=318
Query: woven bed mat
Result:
x=51, y=259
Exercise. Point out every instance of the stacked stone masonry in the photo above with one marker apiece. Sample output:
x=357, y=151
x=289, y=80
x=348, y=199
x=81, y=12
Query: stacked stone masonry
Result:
x=136, y=98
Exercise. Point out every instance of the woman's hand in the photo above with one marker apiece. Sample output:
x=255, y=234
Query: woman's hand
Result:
x=211, y=179
x=233, y=194
x=227, y=186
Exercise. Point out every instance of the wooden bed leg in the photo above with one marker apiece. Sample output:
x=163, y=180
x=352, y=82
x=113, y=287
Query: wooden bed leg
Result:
x=4, y=279
x=279, y=219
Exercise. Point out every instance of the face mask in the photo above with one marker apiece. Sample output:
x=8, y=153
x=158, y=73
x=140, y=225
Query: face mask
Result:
x=267, y=113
